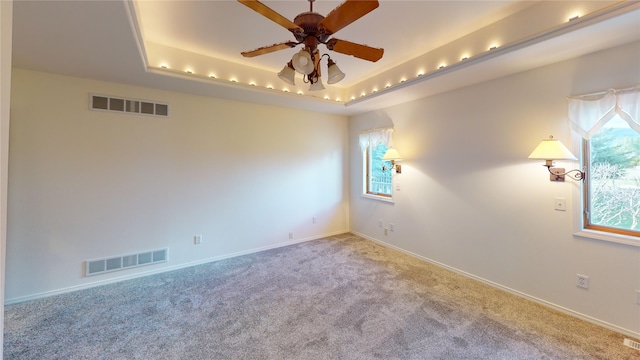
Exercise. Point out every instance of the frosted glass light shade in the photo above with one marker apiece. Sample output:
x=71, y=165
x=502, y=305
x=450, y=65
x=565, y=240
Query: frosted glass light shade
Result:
x=335, y=74
x=551, y=149
x=392, y=154
x=316, y=85
x=302, y=62
x=288, y=74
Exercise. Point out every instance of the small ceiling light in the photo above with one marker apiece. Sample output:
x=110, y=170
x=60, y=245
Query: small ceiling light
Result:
x=353, y=97
x=288, y=74
x=392, y=155
x=234, y=80
x=403, y=80
x=213, y=76
x=326, y=97
x=387, y=86
x=188, y=71
x=285, y=90
x=363, y=94
x=300, y=93
x=464, y=58
x=164, y=66
x=252, y=83
x=441, y=67
x=552, y=149
x=270, y=87
x=420, y=73
x=493, y=47
x=338, y=99
x=575, y=17
x=334, y=73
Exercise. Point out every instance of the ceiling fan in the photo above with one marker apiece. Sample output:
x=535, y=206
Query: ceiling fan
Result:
x=311, y=29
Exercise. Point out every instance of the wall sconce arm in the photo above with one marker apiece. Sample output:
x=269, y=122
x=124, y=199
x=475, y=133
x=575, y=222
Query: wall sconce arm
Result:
x=395, y=166
x=559, y=173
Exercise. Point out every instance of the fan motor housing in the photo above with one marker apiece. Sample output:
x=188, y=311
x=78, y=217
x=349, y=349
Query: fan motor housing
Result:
x=309, y=21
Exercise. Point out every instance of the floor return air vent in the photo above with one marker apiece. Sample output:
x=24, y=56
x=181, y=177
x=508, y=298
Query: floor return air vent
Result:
x=632, y=344
x=115, y=263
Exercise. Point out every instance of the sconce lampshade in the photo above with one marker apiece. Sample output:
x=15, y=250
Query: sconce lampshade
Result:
x=288, y=74
x=392, y=154
x=302, y=62
x=551, y=149
x=335, y=74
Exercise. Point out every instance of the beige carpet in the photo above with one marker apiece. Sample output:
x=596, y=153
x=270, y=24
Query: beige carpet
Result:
x=341, y=297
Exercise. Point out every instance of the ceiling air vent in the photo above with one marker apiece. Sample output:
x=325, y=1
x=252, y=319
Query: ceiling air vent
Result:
x=130, y=106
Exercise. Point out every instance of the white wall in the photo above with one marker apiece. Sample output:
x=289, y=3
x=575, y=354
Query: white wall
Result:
x=471, y=200
x=6, y=28
x=85, y=184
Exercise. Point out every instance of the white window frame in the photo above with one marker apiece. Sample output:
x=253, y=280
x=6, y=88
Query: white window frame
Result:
x=386, y=135
x=578, y=199
x=579, y=229
x=365, y=185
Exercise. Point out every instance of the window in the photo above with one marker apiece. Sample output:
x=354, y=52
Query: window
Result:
x=376, y=173
x=610, y=127
x=612, y=188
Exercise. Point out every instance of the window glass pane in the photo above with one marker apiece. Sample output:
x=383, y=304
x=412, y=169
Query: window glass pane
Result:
x=379, y=179
x=614, y=177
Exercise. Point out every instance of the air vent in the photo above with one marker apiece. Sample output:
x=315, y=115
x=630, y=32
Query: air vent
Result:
x=127, y=106
x=632, y=344
x=115, y=263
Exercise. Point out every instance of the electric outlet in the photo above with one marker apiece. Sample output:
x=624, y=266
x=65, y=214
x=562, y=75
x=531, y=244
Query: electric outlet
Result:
x=561, y=204
x=638, y=297
x=392, y=227
x=197, y=239
x=386, y=231
x=582, y=281
x=290, y=235
x=380, y=223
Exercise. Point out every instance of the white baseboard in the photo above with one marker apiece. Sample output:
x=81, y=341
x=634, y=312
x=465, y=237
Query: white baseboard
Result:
x=562, y=309
x=164, y=269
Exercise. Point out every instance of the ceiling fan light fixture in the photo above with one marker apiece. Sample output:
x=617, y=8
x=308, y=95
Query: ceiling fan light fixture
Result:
x=288, y=74
x=334, y=72
x=302, y=62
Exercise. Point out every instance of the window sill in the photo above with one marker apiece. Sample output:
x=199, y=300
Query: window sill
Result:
x=616, y=238
x=377, y=197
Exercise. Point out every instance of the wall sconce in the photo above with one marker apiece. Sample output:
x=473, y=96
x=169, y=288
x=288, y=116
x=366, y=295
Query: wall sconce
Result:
x=552, y=149
x=392, y=155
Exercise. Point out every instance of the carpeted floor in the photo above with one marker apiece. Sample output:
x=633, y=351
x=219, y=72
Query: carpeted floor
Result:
x=341, y=297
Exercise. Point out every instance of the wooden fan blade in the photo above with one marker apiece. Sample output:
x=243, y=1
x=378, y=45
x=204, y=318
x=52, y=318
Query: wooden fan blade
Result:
x=360, y=51
x=271, y=14
x=269, y=49
x=346, y=13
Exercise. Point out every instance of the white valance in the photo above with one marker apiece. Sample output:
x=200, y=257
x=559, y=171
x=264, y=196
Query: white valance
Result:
x=376, y=136
x=589, y=113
